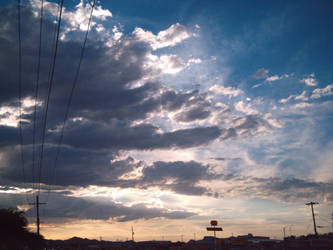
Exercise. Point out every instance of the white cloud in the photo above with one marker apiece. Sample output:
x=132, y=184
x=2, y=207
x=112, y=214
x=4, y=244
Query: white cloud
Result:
x=76, y=19
x=276, y=77
x=301, y=96
x=194, y=60
x=100, y=28
x=272, y=78
x=317, y=93
x=284, y=100
x=218, y=89
x=165, y=64
x=171, y=64
x=310, y=81
x=302, y=105
x=245, y=108
x=49, y=7
x=272, y=121
x=116, y=33
x=9, y=115
x=170, y=37
x=263, y=73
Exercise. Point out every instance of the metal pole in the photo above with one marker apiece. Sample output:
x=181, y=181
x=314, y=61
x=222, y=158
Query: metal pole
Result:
x=214, y=239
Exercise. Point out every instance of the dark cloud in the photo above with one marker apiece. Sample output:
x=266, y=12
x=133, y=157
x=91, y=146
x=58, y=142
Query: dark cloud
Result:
x=226, y=159
x=172, y=100
x=181, y=177
x=8, y=135
x=120, y=135
x=62, y=206
x=82, y=168
x=195, y=113
x=293, y=189
x=280, y=185
x=245, y=126
x=296, y=189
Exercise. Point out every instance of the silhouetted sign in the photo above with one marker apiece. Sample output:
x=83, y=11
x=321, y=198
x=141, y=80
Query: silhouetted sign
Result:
x=213, y=222
x=214, y=229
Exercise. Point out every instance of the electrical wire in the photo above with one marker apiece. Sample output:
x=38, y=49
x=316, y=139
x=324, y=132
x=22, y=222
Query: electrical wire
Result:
x=48, y=97
x=36, y=92
x=71, y=97
x=323, y=219
x=51, y=46
x=20, y=94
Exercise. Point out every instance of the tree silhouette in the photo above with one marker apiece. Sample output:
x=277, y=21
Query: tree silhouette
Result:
x=14, y=234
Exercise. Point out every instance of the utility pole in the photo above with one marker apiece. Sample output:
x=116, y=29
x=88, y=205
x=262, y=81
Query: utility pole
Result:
x=313, y=215
x=284, y=232
x=132, y=234
x=37, y=203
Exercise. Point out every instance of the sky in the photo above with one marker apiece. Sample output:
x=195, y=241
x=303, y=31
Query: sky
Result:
x=184, y=112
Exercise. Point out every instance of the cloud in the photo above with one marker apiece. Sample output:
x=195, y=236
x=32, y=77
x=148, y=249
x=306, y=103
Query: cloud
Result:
x=294, y=188
x=245, y=108
x=226, y=159
x=193, y=114
x=76, y=19
x=318, y=93
x=301, y=96
x=166, y=64
x=170, y=37
x=276, y=77
x=261, y=73
x=310, y=80
x=83, y=168
x=181, y=177
x=218, y=89
x=302, y=105
x=63, y=206
x=118, y=97
x=119, y=135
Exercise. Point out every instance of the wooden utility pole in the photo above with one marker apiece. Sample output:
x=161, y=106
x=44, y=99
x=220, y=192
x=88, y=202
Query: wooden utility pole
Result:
x=284, y=232
x=313, y=215
x=132, y=234
x=37, y=203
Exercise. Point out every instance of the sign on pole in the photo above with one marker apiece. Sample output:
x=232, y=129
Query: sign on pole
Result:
x=214, y=229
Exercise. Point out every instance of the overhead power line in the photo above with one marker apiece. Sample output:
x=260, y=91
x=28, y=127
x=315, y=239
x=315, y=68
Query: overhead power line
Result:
x=36, y=91
x=20, y=91
x=74, y=83
x=48, y=97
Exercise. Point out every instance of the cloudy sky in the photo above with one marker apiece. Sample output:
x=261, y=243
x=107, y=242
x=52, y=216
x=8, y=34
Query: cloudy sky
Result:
x=184, y=111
